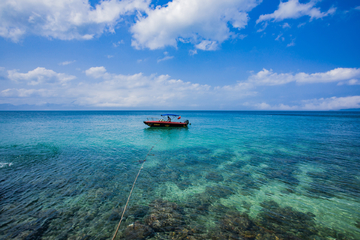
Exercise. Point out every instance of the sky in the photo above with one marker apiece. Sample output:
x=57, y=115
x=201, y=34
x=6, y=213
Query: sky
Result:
x=179, y=55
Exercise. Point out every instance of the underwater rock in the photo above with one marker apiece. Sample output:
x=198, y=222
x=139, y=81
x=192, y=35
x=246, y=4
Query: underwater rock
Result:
x=236, y=223
x=115, y=215
x=246, y=181
x=287, y=222
x=219, y=191
x=184, y=184
x=333, y=182
x=214, y=177
x=165, y=175
x=137, y=231
x=357, y=224
x=135, y=212
x=164, y=216
x=138, y=211
x=236, y=166
x=34, y=229
x=218, y=209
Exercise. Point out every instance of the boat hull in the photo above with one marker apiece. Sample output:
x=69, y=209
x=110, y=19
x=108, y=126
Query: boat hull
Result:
x=166, y=124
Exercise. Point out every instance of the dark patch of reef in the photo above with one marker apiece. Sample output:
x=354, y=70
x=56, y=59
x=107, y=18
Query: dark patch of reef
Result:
x=33, y=229
x=214, y=177
x=168, y=220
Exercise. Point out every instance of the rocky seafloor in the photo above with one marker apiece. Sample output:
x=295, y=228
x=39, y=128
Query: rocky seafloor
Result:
x=162, y=219
x=202, y=194
x=167, y=220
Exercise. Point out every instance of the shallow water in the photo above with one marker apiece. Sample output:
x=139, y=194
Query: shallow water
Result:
x=239, y=175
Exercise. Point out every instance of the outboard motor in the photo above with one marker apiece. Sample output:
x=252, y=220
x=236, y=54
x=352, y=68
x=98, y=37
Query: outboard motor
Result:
x=186, y=121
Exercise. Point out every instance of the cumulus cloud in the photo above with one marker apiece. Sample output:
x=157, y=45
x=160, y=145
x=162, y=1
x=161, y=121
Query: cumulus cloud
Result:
x=65, y=19
x=286, y=25
x=270, y=78
x=333, y=103
x=66, y=63
x=117, y=90
x=292, y=9
x=96, y=72
x=207, y=45
x=263, y=28
x=24, y=93
x=266, y=106
x=350, y=82
x=279, y=37
x=167, y=57
x=318, y=104
x=291, y=44
x=201, y=22
x=107, y=89
x=40, y=75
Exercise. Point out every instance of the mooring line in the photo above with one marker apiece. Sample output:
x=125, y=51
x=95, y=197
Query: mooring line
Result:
x=117, y=229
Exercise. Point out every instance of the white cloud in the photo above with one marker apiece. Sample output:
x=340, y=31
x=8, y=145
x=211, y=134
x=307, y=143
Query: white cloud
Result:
x=358, y=8
x=190, y=21
x=65, y=19
x=335, y=75
x=292, y=43
x=242, y=36
x=39, y=76
x=266, y=106
x=278, y=37
x=286, y=25
x=118, y=43
x=332, y=103
x=193, y=52
x=139, y=90
x=66, y=63
x=96, y=72
x=207, y=45
x=300, y=25
x=292, y=9
x=165, y=58
x=263, y=28
x=24, y=93
x=268, y=77
x=350, y=82
x=117, y=90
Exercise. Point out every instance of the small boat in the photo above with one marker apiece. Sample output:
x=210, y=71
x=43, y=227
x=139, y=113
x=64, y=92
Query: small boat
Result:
x=167, y=121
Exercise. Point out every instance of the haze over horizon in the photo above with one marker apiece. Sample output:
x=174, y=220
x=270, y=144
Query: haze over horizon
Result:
x=179, y=55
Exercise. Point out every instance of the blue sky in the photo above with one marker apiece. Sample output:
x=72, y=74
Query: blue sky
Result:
x=180, y=55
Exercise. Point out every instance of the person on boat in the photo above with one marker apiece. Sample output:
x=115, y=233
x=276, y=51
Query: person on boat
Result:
x=169, y=119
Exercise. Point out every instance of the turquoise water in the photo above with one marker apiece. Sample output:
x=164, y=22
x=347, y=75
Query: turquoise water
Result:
x=230, y=175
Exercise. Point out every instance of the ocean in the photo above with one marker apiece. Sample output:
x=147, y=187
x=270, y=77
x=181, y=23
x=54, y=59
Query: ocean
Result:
x=229, y=175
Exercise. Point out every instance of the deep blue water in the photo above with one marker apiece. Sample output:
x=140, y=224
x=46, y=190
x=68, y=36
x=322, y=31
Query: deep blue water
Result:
x=230, y=175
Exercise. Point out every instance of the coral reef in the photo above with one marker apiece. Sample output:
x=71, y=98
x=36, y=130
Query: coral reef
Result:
x=287, y=222
x=219, y=191
x=137, y=231
x=214, y=177
x=164, y=216
x=34, y=229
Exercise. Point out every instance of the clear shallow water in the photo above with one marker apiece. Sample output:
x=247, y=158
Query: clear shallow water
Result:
x=238, y=175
